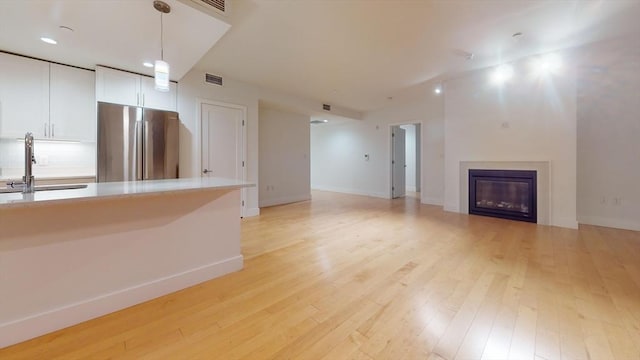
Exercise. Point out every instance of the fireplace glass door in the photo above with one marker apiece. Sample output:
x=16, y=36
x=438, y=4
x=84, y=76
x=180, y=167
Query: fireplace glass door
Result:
x=509, y=194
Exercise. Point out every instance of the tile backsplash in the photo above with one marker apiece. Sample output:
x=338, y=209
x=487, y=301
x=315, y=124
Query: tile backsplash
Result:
x=53, y=159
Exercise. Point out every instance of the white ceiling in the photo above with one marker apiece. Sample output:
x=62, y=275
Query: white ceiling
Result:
x=358, y=53
x=349, y=53
x=117, y=33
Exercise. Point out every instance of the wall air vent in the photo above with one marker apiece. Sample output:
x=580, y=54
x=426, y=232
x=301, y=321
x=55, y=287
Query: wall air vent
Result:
x=213, y=79
x=211, y=6
x=326, y=107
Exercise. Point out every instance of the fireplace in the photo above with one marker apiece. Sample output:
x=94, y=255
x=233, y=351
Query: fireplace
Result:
x=507, y=194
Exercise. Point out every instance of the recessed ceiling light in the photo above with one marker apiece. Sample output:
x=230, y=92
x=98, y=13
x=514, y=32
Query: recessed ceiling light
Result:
x=547, y=64
x=502, y=73
x=438, y=90
x=147, y=64
x=48, y=40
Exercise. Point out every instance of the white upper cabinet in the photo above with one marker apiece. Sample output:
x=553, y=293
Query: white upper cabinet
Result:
x=163, y=100
x=118, y=87
x=24, y=96
x=72, y=103
x=121, y=87
x=51, y=101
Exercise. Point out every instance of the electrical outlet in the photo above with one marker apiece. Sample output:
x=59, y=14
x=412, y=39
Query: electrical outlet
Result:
x=42, y=160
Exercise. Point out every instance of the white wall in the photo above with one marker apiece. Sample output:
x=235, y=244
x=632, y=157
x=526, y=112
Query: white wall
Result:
x=609, y=135
x=284, y=174
x=337, y=151
x=524, y=120
x=338, y=162
x=191, y=88
x=410, y=156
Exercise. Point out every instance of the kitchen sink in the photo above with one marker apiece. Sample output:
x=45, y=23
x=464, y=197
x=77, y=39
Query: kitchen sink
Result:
x=45, y=188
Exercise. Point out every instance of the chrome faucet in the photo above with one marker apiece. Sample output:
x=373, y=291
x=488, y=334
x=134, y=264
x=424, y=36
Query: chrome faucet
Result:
x=28, y=181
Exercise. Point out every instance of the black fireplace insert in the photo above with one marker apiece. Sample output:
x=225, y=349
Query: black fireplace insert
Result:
x=507, y=194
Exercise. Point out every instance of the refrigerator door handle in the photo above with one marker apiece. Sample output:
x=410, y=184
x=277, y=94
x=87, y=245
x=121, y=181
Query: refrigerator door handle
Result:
x=137, y=145
x=148, y=154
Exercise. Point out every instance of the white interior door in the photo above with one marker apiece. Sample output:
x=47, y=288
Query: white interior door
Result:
x=222, y=145
x=398, y=162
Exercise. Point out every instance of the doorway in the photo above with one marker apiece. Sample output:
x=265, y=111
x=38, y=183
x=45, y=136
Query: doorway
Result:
x=222, y=138
x=405, y=160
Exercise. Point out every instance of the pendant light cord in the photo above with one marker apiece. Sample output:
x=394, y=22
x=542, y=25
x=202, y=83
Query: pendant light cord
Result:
x=161, y=38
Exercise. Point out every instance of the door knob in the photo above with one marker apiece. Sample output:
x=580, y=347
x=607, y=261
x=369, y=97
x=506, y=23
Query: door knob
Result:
x=206, y=171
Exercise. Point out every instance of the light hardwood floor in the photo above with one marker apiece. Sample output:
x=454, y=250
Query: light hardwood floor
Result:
x=351, y=277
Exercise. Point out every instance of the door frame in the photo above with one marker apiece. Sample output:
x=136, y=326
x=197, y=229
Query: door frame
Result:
x=390, y=153
x=243, y=146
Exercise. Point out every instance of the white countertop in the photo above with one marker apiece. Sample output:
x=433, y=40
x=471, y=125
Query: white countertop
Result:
x=120, y=189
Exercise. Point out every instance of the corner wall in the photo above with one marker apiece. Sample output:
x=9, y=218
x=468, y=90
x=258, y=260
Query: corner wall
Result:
x=191, y=88
x=284, y=157
x=337, y=151
x=609, y=135
x=524, y=120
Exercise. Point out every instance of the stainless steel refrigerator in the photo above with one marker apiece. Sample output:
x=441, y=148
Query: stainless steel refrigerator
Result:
x=136, y=143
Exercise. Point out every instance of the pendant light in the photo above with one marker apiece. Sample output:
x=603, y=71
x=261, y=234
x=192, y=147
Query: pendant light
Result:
x=161, y=68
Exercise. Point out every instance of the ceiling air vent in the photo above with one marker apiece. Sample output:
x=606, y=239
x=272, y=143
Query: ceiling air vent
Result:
x=210, y=6
x=213, y=79
x=217, y=4
x=326, y=107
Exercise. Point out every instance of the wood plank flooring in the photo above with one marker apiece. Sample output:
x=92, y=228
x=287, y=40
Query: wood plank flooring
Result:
x=351, y=277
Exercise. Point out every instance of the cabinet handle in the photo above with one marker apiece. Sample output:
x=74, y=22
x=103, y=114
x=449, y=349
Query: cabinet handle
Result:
x=138, y=99
x=45, y=129
x=53, y=127
x=142, y=99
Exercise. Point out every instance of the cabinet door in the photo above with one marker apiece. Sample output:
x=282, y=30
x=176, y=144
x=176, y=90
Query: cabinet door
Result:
x=154, y=99
x=24, y=96
x=118, y=87
x=72, y=103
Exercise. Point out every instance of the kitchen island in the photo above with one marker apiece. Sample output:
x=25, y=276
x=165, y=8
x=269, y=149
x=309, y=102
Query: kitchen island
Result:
x=67, y=256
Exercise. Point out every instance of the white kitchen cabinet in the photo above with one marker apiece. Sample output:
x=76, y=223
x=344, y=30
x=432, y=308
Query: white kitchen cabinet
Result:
x=121, y=87
x=163, y=100
x=52, y=101
x=118, y=87
x=24, y=96
x=72, y=104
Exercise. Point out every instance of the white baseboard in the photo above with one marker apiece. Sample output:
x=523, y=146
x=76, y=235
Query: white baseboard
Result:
x=340, y=190
x=432, y=201
x=252, y=212
x=39, y=324
x=609, y=222
x=284, y=200
x=565, y=223
x=350, y=191
x=451, y=208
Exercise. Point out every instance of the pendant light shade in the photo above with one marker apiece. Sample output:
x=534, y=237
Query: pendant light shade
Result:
x=162, y=75
x=161, y=68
